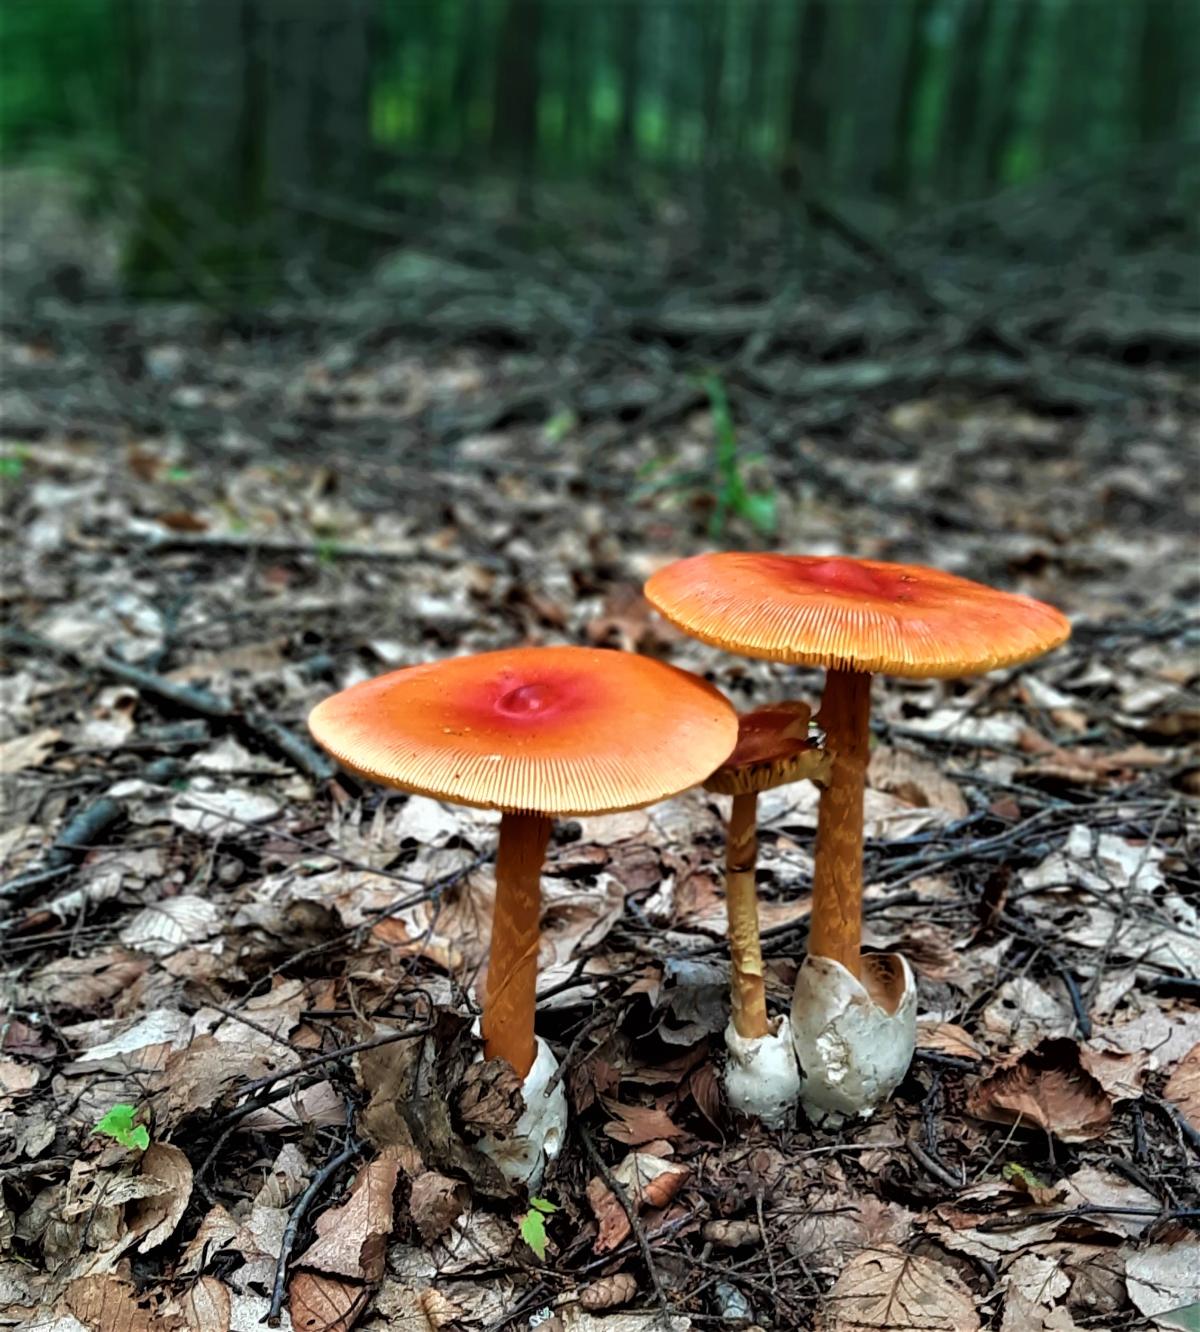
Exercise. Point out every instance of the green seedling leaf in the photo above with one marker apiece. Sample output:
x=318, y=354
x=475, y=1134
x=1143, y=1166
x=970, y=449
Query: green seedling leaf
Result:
x=533, y=1231
x=118, y=1124
x=11, y=468
x=759, y=510
x=533, y=1224
x=559, y=426
x=1017, y=1174
x=180, y=475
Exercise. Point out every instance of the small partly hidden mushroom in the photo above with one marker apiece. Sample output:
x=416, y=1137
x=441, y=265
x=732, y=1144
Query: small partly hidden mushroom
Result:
x=773, y=749
x=536, y=733
x=853, y=1015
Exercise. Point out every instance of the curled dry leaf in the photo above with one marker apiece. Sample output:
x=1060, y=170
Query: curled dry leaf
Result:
x=609, y=1292
x=156, y=1217
x=1183, y=1087
x=648, y=1181
x=886, y=1290
x=1048, y=1088
x=489, y=1099
x=352, y=1239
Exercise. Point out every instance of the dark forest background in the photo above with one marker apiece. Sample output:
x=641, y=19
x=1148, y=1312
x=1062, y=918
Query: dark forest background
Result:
x=246, y=144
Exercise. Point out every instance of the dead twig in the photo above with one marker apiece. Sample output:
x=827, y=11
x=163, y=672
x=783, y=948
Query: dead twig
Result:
x=188, y=698
x=303, y=1203
x=635, y=1225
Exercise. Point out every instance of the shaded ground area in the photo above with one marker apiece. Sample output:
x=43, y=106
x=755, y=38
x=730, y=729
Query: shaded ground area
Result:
x=210, y=526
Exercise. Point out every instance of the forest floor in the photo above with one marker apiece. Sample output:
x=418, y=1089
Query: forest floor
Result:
x=204, y=921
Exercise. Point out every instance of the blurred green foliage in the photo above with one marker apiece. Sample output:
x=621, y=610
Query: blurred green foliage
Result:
x=217, y=127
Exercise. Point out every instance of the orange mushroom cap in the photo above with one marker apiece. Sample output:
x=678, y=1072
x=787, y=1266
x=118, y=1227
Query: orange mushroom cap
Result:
x=862, y=615
x=557, y=730
x=773, y=749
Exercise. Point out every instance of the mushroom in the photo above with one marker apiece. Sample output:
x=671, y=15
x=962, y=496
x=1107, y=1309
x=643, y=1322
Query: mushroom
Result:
x=853, y=1016
x=773, y=748
x=535, y=733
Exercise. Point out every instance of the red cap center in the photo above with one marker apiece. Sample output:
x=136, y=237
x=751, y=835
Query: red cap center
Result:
x=528, y=700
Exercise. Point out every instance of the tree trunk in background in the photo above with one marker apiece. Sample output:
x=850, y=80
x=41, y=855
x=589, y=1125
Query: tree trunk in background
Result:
x=576, y=104
x=629, y=31
x=918, y=59
x=808, y=108
x=515, y=97
x=962, y=113
x=1014, y=66
x=1160, y=82
x=712, y=70
x=468, y=70
x=758, y=58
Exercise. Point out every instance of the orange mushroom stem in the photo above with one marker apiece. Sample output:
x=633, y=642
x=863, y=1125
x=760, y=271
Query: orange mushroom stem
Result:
x=773, y=749
x=510, y=997
x=748, y=991
x=836, y=923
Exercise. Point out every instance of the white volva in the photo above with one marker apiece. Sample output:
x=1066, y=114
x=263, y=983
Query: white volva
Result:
x=762, y=1077
x=852, y=1050
x=539, y=1133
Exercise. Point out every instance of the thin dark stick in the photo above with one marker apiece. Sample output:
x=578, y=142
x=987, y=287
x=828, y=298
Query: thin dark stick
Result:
x=933, y=1167
x=188, y=698
x=303, y=1203
x=635, y=1225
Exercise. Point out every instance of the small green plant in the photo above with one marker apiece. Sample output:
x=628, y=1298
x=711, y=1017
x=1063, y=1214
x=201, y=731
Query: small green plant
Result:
x=757, y=507
x=533, y=1224
x=118, y=1124
x=724, y=480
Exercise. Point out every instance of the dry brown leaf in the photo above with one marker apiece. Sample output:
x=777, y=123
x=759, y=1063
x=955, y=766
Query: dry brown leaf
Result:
x=648, y=1181
x=206, y=1306
x=168, y=925
x=489, y=1099
x=108, y=1304
x=155, y=1218
x=1183, y=1087
x=1022, y=1314
x=27, y=751
x=915, y=780
x=320, y=1303
x=1048, y=1088
x=436, y=1202
x=1120, y=1072
x=637, y=1124
x=947, y=1038
x=352, y=1239
x=1165, y=1277
x=85, y=982
x=887, y=1290
x=16, y=1078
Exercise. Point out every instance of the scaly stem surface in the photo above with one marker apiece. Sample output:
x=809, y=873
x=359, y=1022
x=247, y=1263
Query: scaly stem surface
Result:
x=836, y=928
x=748, y=994
x=511, y=997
